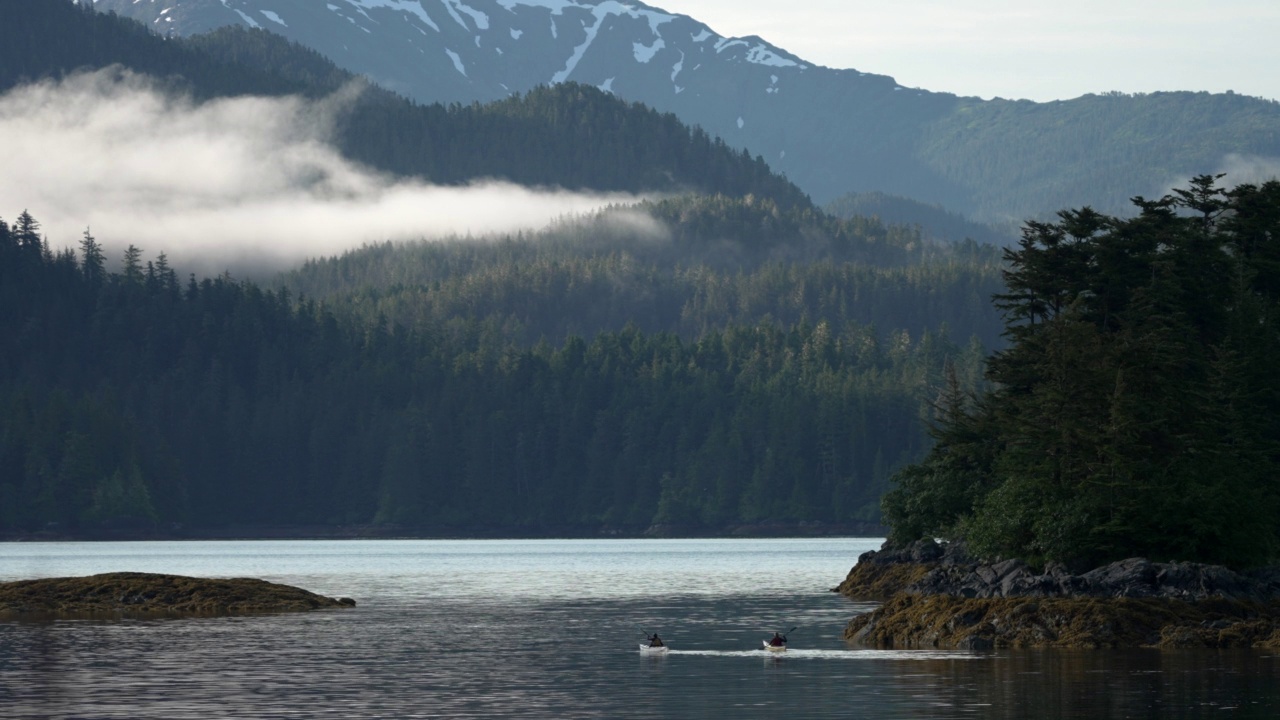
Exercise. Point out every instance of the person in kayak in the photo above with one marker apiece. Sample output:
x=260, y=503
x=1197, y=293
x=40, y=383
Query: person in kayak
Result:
x=656, y=641
x=778, y=640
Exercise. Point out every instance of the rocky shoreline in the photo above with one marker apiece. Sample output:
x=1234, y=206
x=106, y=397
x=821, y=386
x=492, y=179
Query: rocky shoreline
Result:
x=132, y=594
x=938, y=596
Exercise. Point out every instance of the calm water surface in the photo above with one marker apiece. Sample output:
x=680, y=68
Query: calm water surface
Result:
x=551, y=628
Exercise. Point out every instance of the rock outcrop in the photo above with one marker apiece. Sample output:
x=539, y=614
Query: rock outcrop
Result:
x=149, y=594
x=939, y=596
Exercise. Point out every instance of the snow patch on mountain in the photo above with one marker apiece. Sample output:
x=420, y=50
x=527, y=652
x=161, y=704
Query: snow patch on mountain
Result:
x=457, y=61
x=243, y=16
x=601, y=12
x=762, y=55
x=273, y=17
x=725, y=43
x=457, y=6
x=645, y=54
x=555, y=6
x=607, y=85
x=701, y=36
x=406, y=6
x=515, y=34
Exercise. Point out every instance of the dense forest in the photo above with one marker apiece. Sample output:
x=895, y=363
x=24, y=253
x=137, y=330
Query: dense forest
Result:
x=1136, y=409
x=698, y=362
x=569, y=135
x=134, y=399
x=708, y=263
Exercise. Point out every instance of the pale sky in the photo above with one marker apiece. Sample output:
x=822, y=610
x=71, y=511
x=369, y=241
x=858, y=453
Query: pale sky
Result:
x=1035, y=49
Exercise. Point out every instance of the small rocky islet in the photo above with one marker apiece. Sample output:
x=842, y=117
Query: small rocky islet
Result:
x=135, y=594
x=939, y=596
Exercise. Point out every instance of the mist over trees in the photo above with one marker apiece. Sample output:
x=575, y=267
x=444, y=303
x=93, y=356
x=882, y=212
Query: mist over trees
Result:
x=698, y=362
x=1136, y=409
x=570, y=136
x=691, y=266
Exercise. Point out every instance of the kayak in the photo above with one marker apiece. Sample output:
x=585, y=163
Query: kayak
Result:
x=650, y=650
x=774, y=648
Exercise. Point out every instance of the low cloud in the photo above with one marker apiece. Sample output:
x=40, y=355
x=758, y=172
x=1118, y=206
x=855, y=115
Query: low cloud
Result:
x=1235, y=169
x=248, y=182
x=1254, y=169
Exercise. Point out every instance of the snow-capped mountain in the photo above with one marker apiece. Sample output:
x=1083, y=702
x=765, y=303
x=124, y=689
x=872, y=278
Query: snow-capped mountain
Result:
x=747, y=91
x=830, y=131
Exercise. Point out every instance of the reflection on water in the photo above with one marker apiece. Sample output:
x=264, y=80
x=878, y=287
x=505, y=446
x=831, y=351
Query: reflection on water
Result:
x=488, y=629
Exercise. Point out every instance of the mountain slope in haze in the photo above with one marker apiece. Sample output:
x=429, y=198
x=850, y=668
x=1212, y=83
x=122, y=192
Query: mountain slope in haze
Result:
x=831, y=131
x=569, y=136
x=938, y=223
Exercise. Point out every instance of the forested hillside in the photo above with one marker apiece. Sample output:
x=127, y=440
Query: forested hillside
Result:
x=1136, y=411
x=1021, y=159
x=567, y=136
x=699, y=362
x=934, y=221
x=137, y=400
x=711, y=263
x=832, y=131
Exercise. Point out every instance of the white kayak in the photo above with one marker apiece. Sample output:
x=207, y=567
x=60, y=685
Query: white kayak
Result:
x=774, y=648
x=651, y=650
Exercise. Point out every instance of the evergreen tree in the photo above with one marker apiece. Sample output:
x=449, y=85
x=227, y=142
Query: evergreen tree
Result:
x=1130, y=413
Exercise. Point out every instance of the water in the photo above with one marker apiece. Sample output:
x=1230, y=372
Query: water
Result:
x=551, y=628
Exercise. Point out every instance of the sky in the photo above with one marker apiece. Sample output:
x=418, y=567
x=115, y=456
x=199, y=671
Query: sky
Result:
x=1035, y=49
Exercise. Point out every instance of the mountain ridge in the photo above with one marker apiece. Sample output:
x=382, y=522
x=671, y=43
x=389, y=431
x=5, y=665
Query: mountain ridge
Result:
x=831, y=131
x=568, y=136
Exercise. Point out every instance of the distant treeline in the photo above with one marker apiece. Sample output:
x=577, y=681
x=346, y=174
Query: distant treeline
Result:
x=707, y=264
x=136, y=399
x=937, y=222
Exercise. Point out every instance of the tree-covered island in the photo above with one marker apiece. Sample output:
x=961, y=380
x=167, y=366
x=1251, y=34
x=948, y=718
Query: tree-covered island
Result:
x=1132, y=419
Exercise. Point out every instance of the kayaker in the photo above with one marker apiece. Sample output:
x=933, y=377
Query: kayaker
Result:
x=778, y=640
x=656, y=641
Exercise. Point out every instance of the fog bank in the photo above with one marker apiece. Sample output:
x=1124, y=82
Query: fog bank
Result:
x=239, y=182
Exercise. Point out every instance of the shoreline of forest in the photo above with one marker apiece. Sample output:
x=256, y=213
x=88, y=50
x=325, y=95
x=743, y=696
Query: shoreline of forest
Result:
x=390, y=532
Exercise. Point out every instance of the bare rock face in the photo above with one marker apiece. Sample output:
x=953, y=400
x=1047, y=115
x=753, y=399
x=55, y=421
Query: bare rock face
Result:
x=149, y=594
x=881, y=573
x=939, y=596
x=927, y=568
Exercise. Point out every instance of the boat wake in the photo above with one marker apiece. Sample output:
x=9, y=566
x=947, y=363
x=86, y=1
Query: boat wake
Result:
x=861, y=654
